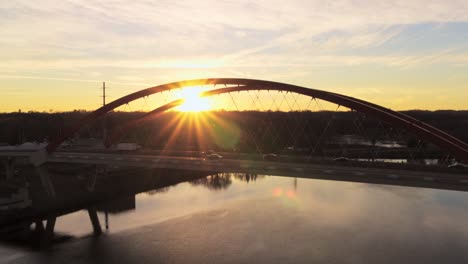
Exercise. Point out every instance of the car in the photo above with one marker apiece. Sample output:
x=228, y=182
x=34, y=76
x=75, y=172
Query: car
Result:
x=270, y=157
x=213, y=156
x=206, y=153
x=341, y=159
x=458, y=166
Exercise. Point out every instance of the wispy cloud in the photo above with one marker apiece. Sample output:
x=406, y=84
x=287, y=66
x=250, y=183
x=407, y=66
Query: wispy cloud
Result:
x=142, y=29
x=124, y=40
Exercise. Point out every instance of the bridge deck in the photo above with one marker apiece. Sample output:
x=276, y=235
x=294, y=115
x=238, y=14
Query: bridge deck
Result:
x=439, y=180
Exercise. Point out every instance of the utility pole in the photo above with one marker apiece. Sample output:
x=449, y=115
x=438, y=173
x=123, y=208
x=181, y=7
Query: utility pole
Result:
x=104, y=126
x=103, y=93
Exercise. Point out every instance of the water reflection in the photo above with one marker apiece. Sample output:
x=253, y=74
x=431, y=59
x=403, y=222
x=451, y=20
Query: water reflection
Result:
x=31, y=205
x=217, y=181
x=27, y=210
x=266, y=218
x=220, y=181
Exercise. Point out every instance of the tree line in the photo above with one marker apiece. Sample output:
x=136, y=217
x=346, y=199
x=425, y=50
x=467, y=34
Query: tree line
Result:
x=225, y=130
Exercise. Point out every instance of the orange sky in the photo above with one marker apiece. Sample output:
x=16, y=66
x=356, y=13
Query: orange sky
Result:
x=400, y=54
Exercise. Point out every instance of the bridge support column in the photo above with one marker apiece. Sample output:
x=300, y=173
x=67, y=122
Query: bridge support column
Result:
x=45, y=180
x=106, y=215
x=38, y=226
x=91, y=184
x=48, y=234
x=9, y=168
x=99, y=170
x=95, y=221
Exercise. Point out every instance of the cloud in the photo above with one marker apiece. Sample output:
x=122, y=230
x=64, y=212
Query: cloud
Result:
x=186, y=28
x=133, y=41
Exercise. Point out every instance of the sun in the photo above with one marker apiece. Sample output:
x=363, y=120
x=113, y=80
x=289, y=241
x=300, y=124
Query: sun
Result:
x=193, y=101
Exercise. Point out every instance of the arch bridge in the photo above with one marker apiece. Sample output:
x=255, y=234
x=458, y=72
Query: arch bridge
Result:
x=447, y=143
x=307, y=140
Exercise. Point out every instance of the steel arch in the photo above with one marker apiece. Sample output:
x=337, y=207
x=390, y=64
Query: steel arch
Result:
x=456, y=147
x=117, y=134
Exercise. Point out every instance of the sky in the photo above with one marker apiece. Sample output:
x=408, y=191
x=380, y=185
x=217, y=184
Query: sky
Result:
x=402, y=54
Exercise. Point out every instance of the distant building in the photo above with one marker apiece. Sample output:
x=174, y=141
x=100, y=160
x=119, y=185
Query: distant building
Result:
x=85, y=143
